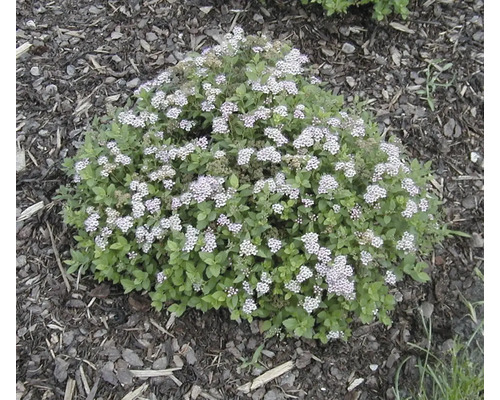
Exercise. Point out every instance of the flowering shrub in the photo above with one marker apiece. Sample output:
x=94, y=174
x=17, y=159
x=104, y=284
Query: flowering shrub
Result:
x=381, y=8
x=236, y=181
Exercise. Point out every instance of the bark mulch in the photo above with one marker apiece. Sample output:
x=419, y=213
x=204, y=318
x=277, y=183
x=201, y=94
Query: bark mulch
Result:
x=77, y=339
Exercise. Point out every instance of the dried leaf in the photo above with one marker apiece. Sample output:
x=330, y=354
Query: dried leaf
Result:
x=101, y=291
x=61, y=369
x=145, y=45
x=116, y=35
x=401, y=27
x=206, y=9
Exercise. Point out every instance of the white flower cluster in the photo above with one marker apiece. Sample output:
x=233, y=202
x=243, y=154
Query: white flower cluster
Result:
x=249, y=306
x=310, y=241
x=333, y=335
x=304, y=274
x=247, y=248
x=274, y=245
x=374, y=193
x=348, y=167
x=409, y=185
x=390, y=278
x=137, y=121
x=160, y=277
x=411, y=208
x=423, y=205
x=278, y=208
x=192, y=235
x=312, y=163
x=311, y=303
x=337, y=278
x=293, y=286
x=269, y=154
x=366, y=257
x=368, y=237
x=153, y=205
x=92, y=222
x=186, y=125
x=210, y=241
x=327, y=183
x=309, y=136
x=276, y=135
x=219, y=125
x=244, y=156
x=407, y=243
x=125, y=223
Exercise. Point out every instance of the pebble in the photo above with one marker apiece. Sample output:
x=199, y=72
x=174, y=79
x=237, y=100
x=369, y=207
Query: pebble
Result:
x=271, y=395
x=469, y=202
x=350, y=81
x=348, y=48
x=151, y=36
x=133, y=83
x=70, y=70
x=21, y=261
x=35, y=71
x=31, y=24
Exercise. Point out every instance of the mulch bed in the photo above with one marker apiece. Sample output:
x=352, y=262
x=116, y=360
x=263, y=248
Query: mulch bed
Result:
x=88, y=341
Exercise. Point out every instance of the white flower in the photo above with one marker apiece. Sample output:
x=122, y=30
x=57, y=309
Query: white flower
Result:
x=247, y=248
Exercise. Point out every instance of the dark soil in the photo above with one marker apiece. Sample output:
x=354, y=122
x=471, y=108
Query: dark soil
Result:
x=88, y=55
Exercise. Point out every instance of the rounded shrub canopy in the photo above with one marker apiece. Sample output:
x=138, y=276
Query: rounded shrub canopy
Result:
x=237, y=181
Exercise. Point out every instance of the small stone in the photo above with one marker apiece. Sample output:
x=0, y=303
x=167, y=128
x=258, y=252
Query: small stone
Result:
x=304, y=360
x=151, y=36
x=258, y=18
x=116, y=35
x=449, y=128
x=469, y=202
x=70, y=70
x=161, y=363
x=474, y=157
x=123, y=374
x=427, y=309
x=477, y=240
x=30, y=24
x=20, y=160
x=259, y=393
x=286, y=382
x=373, y=367
x=108, y=374
x=350, y=81
x=206, y=9
x=132, y=358
x=133, y=83
x=348, y=48
x=61, y=369
x=35, y=71
x=271, y=395
x=178, y=361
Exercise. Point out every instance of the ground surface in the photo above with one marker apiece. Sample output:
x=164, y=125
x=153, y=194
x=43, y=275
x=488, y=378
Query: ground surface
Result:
x=88, y=54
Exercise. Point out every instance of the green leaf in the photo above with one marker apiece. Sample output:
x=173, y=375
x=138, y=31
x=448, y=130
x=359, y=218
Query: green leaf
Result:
x=234, y=181
x=290, y=324
x=214, y=270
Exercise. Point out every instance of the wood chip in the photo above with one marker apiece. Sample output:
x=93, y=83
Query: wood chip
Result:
x=70, y=389
x=22, y=49
x=31, y=210
x=266, y=377
x=136, y=393
x=145, y=45
x=152, y=373
x=355, y=384
x=401, y=27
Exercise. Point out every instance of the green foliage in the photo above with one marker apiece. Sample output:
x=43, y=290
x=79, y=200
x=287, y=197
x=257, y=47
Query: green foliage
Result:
x=434, y=80
x=235, y=180
x=381, y=8
x=458, y=374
